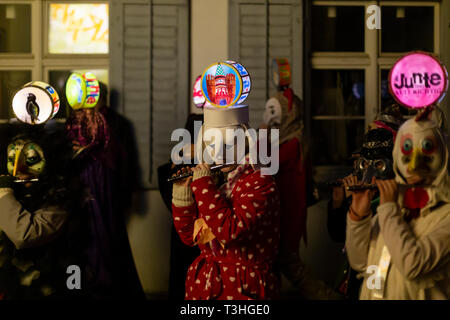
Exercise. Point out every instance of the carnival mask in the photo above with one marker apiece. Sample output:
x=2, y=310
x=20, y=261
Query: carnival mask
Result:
x=272, y=114
x=375, y=159
x=25, y=159
x=419, y=153
x=220, y=144
x=365, y=169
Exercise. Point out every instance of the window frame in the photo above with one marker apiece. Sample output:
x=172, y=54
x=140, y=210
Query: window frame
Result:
x=372, y=61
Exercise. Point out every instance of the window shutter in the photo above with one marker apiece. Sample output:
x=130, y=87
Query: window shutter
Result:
x=261, y=30
x=149, y=70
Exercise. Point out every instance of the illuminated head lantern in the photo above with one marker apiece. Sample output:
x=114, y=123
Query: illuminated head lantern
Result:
x=197, y=95
x=82, y=91
x=281, y=78
x=281, y=73
x=418, y=80
x=35, y=103
x=224, y=85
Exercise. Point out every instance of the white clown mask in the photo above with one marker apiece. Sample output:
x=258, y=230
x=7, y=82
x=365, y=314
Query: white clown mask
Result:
x=420, y=153
x=272, y=113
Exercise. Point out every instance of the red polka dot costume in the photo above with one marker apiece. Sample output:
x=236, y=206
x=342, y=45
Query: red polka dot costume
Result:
x=243, y=215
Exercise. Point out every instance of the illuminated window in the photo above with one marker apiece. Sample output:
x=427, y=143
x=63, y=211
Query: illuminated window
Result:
x=78, y=28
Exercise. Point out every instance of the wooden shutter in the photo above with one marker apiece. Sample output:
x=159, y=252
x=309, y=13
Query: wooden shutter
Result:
x=149, y=71
x=261, y=30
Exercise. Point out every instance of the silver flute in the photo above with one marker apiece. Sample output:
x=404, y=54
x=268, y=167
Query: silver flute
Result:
x=361, y=187
x=188, y=174
x=25, y=180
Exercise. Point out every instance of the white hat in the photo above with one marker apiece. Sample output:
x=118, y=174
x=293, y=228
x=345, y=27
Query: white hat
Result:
x=225, y=117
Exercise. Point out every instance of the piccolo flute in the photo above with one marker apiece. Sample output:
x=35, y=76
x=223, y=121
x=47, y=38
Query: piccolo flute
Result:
x=25, y=180
x=375, y=187
x=362, y=187
x=188, y=174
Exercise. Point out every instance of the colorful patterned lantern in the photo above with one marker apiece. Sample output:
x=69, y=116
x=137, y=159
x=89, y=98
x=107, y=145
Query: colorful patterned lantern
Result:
x=418, y=80
x=225, y=84
x=281, y=73
x=76, y=91
x=197, y=95
x=82, y=91
x=35, y=103
x=92, y=90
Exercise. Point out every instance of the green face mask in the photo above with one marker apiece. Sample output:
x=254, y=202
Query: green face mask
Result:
x=25, y=159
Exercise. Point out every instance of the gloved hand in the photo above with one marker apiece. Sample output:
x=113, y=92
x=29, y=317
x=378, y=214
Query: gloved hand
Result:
x=6, y=181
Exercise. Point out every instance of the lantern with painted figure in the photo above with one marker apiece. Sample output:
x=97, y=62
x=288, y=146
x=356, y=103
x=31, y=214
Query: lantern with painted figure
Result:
x=35, y=103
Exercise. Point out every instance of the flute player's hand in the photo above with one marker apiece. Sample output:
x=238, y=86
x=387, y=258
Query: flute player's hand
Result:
x=184, y=182
x=201, y=170
x=360, y=207
x=388, y=190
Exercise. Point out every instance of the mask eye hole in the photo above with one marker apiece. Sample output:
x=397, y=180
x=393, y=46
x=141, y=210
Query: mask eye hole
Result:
x=363, y=164
x=380, y=165
x=427, y=146
x=366, y=164
x=33, y=160
x=11, y=156
x=407, y=146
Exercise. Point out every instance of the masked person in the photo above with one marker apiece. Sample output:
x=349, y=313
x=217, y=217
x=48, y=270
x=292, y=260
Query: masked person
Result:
x=41, y=225
x=390, y=119
x=235, y=224
x=110, y=270
x=403, y=251
x=374, y=161
x=284, y=111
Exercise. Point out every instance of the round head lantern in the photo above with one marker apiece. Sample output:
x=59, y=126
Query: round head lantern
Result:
x=224, y=86
x=82, y=91
x=35, y=103
x=418, y=80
